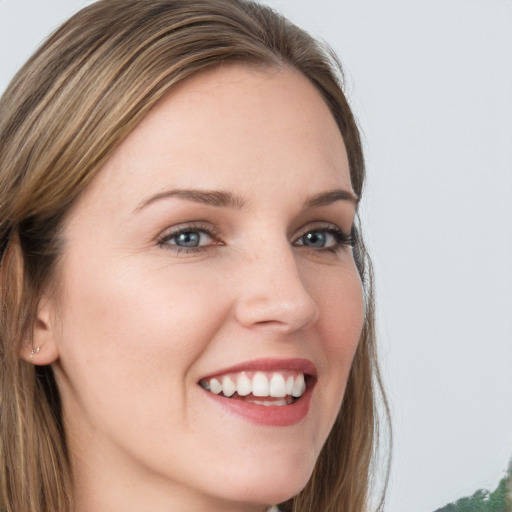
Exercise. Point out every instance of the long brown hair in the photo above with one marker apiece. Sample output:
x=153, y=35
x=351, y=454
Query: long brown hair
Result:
x=61, y=118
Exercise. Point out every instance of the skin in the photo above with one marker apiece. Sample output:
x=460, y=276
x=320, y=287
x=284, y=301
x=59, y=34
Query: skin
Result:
x=136, y=322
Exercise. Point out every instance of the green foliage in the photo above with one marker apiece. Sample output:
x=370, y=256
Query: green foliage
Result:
x=500, y=500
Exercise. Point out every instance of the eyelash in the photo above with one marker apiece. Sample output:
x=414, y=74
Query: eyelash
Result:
x=191, y=228
x=341, y=238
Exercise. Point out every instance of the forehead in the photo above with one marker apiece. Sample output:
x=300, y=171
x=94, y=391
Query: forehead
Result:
x=236, y=126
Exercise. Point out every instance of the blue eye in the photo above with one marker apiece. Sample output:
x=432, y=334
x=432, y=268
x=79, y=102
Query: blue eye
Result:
x=317, y=239
x=187, y=238
x=330, y=238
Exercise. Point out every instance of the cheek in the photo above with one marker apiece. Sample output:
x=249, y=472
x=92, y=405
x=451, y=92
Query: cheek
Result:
x=129, y=343
x=138, y=308
x=341, y=308
x=135, y=332
x=341, y=320
x=338, y=293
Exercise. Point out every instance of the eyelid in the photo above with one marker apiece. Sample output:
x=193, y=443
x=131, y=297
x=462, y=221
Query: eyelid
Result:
x=322, y=226
x=185, y=227
x=342, y=237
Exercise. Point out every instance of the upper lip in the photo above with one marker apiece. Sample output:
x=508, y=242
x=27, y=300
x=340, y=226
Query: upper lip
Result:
x=268, y=364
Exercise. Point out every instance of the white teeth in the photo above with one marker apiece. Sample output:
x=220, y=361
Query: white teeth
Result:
x=289, y=385
x=260, y=385
x=266, y=403
x=243, y=385
x=215, y=386
x=299, y=386
x=277, y=386
x=228, y=386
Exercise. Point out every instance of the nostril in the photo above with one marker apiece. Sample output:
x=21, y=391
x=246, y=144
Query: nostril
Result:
x=268, y=323
x=280, y=326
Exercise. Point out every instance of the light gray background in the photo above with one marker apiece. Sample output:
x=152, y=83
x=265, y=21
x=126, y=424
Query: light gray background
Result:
x=431, y=84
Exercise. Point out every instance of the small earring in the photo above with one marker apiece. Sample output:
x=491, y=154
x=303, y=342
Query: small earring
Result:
x=35, y=351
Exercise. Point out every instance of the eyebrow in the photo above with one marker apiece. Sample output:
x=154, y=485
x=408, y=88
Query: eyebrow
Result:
x=225, y=199
x=331, y=196
x=219, y=198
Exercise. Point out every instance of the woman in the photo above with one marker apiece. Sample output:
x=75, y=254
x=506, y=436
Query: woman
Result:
x=187, y=314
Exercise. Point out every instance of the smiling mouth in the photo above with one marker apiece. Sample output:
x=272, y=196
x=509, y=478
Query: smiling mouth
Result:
x=266, y=388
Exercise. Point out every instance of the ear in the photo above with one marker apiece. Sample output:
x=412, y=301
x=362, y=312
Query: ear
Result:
x=43, y=349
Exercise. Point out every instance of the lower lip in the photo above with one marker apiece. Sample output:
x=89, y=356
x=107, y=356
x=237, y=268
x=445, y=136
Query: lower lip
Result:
x=271, y=415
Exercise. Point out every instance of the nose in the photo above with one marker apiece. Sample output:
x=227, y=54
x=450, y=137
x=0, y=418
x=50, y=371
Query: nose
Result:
x=273, y=296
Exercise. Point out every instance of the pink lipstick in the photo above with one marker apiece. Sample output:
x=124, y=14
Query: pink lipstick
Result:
x=274, y=392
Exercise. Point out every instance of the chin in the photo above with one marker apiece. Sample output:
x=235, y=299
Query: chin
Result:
x=275, y=483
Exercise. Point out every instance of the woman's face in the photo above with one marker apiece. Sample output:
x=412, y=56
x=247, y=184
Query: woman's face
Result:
x=213, y=249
